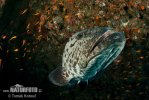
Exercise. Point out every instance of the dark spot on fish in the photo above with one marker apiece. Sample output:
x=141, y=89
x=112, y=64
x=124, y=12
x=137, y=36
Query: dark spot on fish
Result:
x=74, y=64
x=79, y=43
x=83, y=42
x=67, y=74
x=70, y=61
x=84, y=52
x=76, y=49
x=64, y=64
x=67, y=59
x=71, y=45
x=72, y=54
x=67, y=49
x=78, y=53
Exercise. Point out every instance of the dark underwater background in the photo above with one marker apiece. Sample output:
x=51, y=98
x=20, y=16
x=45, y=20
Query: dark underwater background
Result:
x=33, y=34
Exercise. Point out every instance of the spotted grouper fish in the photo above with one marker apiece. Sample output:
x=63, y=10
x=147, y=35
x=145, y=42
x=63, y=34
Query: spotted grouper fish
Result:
x=86, y=53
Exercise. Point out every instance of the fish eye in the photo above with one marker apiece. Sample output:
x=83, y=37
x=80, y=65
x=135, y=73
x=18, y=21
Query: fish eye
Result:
x=79, y=36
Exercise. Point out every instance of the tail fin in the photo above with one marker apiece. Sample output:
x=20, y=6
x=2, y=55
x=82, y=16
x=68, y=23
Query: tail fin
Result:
x=58, y=77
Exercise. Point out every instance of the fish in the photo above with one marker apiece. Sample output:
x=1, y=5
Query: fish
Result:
x=86, y=53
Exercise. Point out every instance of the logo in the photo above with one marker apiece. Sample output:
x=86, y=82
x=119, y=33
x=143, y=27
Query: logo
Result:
x=19, y=91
